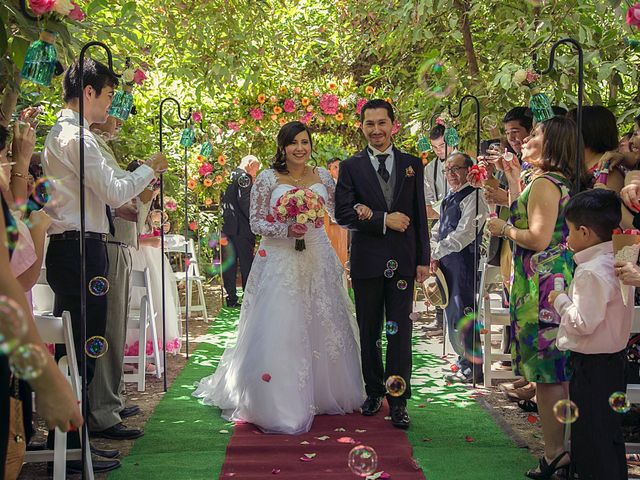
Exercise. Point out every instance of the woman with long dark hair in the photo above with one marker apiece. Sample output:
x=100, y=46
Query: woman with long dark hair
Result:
x=297, y=353
x=537, y=224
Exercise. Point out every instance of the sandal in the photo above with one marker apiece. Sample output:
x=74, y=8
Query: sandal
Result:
x=523, y=393
x=528, y=406
x=547, y=471
x=521, y=382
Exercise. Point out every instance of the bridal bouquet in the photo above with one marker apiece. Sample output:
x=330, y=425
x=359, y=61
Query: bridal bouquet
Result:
x=626, y=248
x=299, y=207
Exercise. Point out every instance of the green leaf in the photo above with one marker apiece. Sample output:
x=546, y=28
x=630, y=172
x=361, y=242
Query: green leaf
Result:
x=95, y=6
x=18, y=50
x=3, y=40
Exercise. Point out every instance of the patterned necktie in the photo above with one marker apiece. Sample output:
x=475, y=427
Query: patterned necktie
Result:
x=382, y=168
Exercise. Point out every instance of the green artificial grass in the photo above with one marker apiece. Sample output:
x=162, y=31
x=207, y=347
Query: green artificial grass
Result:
x=453, y=437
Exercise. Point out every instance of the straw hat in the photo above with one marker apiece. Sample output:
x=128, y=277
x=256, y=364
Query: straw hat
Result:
x=436, y=291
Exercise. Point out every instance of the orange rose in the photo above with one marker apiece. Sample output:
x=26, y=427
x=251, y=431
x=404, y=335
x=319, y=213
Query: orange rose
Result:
x=261, y=98
x=333, y=85
x=297, y=90
x=368, y=90
x=207, y=182
x=222, y=159
x=357, y=124
x=316, y=93
x=310, y=108
x=339, y=117
x=242, y=121
x=200, y=158
x=282, y=121
x=274, y=116
x=277, y=110
x=191, y=184
x=305, y=101
x=218, y=179
x=273, y=99
x=208, y=202
x=258, y=129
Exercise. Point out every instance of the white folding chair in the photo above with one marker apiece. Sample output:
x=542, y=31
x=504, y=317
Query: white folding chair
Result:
x=58, y=330
x=493, y=314
x=42, y=296
x=176, y=244
x=142, y=318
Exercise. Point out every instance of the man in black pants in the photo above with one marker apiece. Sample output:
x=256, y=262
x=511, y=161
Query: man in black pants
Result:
x=103, y=190
x=380, y=197
x=239, y=239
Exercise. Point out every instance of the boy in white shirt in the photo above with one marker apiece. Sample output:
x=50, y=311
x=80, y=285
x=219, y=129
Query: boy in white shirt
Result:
x=595, y=327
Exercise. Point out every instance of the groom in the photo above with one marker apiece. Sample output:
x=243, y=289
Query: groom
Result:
x=380, y=197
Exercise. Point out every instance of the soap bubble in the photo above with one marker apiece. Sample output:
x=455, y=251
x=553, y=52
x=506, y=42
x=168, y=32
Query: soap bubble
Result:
x=395, y=385
x=13, y=324
x=96, y=346
x=392, y=265
x=392, y=328
x=41, y=191
x=388, y=273
x=542, y=262
x=619, y=402
x=28, y=361
x=98, y=286
x=468, y=330
x=158, y=218
x=244, y=180
x=402, y=284
x=566, y=411
x=437, y=78
x=489, y=122
x=363, y=460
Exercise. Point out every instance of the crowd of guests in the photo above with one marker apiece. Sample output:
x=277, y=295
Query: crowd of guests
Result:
x=41, y=225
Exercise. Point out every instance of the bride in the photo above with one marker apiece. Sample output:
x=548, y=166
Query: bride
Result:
x=297, y=353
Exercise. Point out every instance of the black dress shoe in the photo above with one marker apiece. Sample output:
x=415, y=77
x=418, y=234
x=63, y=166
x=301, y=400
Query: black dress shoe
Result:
x=119, y=432
x=99, y=466
x=400, y=417
x=105, y=453
x=127, y=412
x=371, y=406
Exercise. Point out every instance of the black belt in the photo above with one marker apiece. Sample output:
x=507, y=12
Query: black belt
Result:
x=120, y=244
x=75, y=235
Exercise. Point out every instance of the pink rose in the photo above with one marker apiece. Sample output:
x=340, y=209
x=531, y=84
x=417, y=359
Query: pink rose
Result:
x=270, y=218
x=531, y=77
x=233, y=126
x=196, y=116
x=329, y=104
x=289, y=106
x=306, y=118
x=318, y=222
x=76, y=14
x=299, y=228
x=205, y=169
x=139, y=77
x=633, y=15
x=360, y=104
x=256, y=114
x=396, y=127
x=40, y=7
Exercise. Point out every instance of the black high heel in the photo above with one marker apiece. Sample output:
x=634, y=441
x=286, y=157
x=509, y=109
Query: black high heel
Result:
x=546, y=470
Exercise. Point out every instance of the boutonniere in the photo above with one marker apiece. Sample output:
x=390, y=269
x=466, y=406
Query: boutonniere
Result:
x=409, y=172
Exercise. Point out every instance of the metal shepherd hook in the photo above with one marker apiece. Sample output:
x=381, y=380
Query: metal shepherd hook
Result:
x=477, y=225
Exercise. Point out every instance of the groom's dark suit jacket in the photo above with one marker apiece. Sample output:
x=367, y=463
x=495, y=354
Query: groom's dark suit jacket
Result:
x=370, y=247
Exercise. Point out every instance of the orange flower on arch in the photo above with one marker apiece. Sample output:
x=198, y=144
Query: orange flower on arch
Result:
x=191, y=184
x=277, y=110
x=305, y=101
x=388, y=100
x=208, y=202
x=282, y=121
x=274, y=117
x=310, y=108
x=369, y=90
x=357, y=124
x=339, y=116
x=333, y=85
x=200, y=158
x=262, y=98
x=218, y=179
x=222, y=160
x=207, y=182
x=283, y=90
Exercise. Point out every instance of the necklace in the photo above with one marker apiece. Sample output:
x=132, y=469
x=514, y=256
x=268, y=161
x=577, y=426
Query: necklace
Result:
x=298, y=180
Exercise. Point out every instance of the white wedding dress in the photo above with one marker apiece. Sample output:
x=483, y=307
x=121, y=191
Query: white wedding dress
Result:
x=297, y=352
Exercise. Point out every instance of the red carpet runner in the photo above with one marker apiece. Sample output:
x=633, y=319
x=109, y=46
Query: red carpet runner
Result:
x=254, y=455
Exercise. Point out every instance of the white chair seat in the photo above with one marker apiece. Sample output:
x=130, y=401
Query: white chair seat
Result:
x=177, y=244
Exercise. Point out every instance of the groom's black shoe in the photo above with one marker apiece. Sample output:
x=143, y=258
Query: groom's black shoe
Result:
x=371, y=406
x=400, y=417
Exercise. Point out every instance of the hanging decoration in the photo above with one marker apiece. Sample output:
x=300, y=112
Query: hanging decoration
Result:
x=538, y=103
x=40, y=60
x=451, y=137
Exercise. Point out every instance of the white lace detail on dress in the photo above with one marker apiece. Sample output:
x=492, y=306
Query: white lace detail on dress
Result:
x=330, y=185
x=260, y=207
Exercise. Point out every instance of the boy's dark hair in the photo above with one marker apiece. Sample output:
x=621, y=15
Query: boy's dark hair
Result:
x=333, y=160
x=378, y=103
x=597, y=209
x=436, y=132
x=599, y=128
x=94, y=73
x=521, y=115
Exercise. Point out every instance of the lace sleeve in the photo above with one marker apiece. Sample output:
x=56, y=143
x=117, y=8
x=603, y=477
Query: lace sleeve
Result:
x=260, y=207
x=330, y=184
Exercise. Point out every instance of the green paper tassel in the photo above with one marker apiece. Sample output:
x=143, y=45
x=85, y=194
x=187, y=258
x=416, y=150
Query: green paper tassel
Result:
x=122, y=104
x=540, y=106
x=206, y=150
x=188, y=137
x=423, y=144
x=451, y=137
x=40, y=61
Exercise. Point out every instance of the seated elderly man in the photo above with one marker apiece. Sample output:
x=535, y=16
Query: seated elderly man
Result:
x=455, y=251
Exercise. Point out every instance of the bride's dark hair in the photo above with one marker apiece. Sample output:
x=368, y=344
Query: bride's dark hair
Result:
x=286, y=135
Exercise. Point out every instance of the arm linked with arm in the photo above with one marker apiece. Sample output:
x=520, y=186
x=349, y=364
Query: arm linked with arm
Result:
x=345, y=212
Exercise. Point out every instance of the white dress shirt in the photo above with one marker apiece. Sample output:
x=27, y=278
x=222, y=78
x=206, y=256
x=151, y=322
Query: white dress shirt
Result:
x=103, y=185
x=465, y=232
x=376, y=163
x=594, y=318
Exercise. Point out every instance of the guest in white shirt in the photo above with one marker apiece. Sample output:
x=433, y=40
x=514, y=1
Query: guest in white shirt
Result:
x=595, y=326
x=103, y=189
x=455, y=241
x=435, y=182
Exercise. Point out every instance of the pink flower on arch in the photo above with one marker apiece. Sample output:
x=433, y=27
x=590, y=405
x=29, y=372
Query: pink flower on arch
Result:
x=360, y=104
x=205, y=169
x=196, y=116
x=633, y=15
x=139, y=76
x=76, y=14
x=289, y=106
x=40, y=7
x=329, y=104
x=256, y=114
x=396, y=127
x=233, y=126
x=306, y=118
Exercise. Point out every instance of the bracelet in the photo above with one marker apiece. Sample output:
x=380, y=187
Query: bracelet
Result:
x=18, y=174
x=503, y=230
